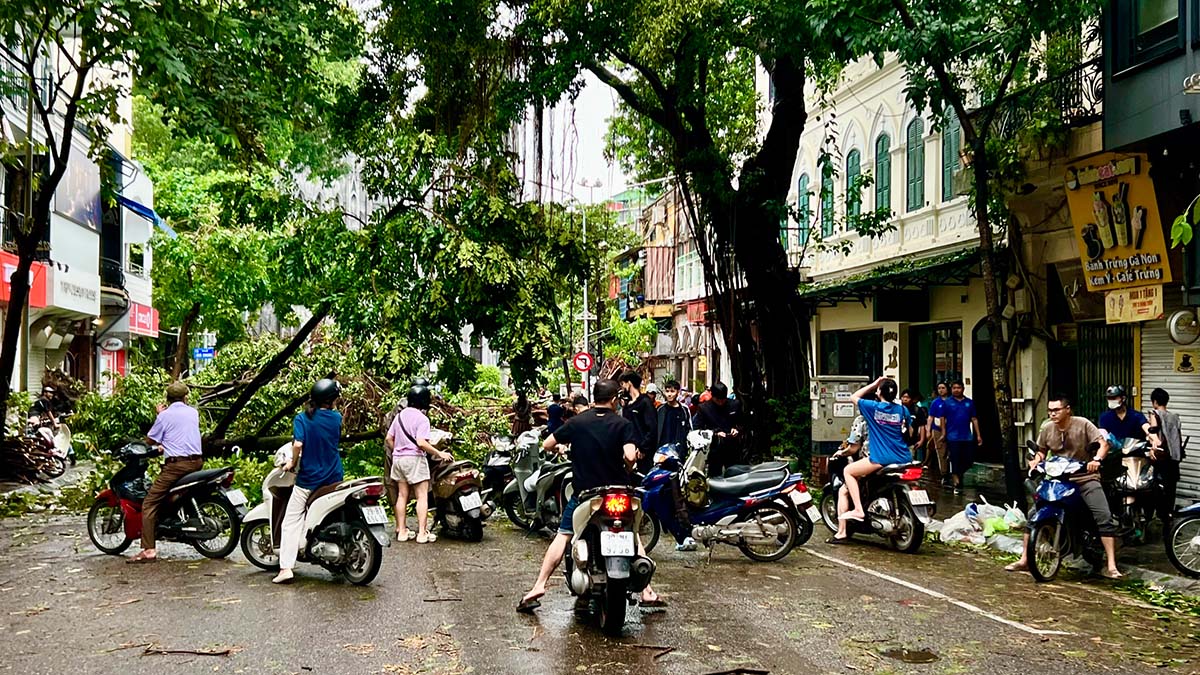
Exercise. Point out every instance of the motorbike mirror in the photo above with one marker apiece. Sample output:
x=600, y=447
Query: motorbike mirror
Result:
x=1031, y=447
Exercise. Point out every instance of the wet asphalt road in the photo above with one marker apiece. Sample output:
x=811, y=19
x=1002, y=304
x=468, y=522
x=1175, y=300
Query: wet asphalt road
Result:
x=447, y=608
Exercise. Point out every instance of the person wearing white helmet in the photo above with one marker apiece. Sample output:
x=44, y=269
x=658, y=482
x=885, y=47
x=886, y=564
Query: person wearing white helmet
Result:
x=654, y=394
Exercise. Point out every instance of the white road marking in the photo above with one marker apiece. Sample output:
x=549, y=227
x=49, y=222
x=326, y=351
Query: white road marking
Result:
x=935, y=594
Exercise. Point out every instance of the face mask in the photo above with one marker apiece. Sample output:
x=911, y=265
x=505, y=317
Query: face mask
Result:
x=1113, y=404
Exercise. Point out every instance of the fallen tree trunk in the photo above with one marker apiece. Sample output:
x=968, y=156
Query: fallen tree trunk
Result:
x=261, y=445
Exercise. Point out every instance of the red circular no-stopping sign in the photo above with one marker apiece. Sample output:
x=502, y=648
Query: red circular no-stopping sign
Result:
x=582, y=361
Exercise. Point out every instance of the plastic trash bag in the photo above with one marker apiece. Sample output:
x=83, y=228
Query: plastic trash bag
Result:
x=1014, y=517
x=961, y=528
x=1006, y=543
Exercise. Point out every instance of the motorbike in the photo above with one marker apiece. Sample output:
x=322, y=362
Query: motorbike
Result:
x=603, y=567
x=764, y=512
x=535, y=497
x=895, y=508
x=1182, y=540
x=56, y=442
x=456, y=495
x=1135, y=493
x=345, y=527
x=200, y=510
x=1061, y=525
x=497, y=470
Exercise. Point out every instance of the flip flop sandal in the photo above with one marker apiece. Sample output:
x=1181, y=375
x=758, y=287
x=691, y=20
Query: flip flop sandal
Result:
x=527, y=605
x=848, y=516
x=407, y=536
x=428, y=538
x=650, y=604
x=838, y=541
x=141, y=560
x=1112, y=575
x=1014, y=567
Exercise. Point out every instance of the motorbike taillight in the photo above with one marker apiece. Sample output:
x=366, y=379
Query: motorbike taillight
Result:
x=913, y=473
x=617, y=504
x=465, y=476
x=369, y=493
x=227, y=480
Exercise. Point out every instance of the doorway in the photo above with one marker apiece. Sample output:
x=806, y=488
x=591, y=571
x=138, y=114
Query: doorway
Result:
x=935, y=355
x=857, y=352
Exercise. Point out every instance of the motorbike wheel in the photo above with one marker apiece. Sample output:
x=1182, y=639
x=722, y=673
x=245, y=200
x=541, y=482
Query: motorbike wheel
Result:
x=912, y=531
x=1182, y=541
x=472, y=529
x=613, y=606
x=829, y=514
x=649, y=532
x=364, y=556
x=516, y=512
x=226, y=518
x=257, y=546
x=1044, y=556
x=53, y=466
x=770, y=514
x=106, y=528
x=804, y=529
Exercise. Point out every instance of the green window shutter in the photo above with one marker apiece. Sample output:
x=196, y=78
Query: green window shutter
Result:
x=916, y=164
x=804, y=206
x=883, y=174
x=827, y=201
x=951, y=145
x=853, y=192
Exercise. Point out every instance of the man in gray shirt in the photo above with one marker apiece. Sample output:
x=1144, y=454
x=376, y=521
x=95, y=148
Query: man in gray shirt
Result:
x=1168, y=443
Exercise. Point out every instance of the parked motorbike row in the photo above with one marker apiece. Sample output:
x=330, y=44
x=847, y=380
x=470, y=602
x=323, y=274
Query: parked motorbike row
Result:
x=40, y=454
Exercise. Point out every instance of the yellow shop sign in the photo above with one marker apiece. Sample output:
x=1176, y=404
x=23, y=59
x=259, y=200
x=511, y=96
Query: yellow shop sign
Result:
x=1115, y=217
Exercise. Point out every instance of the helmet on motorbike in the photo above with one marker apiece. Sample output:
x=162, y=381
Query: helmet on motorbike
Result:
x=325, y=391
x=1114, y=391
x=420, y=382
x=419, y=397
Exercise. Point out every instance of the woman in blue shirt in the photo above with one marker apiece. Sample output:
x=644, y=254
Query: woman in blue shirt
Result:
x=315, y=434
x=886, y=422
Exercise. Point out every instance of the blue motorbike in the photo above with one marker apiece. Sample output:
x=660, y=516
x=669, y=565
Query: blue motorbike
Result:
x=1061, y=525
x=760, y=510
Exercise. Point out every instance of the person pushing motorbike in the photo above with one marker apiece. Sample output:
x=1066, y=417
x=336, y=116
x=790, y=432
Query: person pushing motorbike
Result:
x=1070, y=436
x=603, y=452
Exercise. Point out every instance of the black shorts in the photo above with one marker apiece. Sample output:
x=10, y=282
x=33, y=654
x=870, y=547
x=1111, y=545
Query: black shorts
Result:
x=962, y=456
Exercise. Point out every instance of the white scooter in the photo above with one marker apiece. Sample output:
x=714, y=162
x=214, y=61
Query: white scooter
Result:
x=345, y=528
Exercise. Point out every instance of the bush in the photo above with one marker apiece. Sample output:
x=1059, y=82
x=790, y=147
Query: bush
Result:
x=105, y=422
x=793, y=428
x=488, y=382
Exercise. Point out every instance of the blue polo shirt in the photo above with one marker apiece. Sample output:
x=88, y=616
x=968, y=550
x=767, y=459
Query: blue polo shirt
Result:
x=936, y=408
x=1130, y=427
x=958, y=416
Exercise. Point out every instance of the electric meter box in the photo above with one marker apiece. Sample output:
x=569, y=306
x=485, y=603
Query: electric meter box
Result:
x=832, y=410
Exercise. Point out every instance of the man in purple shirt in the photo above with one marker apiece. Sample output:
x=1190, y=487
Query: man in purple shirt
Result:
x=177, y=430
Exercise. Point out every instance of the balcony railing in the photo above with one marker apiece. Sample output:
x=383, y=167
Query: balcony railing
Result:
x=14, y=81
x=1077, y=94
x=112, y=274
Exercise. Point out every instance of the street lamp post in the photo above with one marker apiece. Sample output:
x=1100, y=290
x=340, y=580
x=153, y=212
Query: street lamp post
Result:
x=587, y=376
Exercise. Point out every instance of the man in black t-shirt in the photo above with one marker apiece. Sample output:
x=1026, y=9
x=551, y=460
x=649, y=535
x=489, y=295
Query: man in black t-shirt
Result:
x=603, y=450
x=640, y=410
x=723, y=416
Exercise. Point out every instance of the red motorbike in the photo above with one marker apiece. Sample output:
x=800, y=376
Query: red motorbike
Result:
x=200, y=510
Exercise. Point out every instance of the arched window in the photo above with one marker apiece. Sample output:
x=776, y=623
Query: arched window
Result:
x=827, y=200
x=883, y=173
x=951, y=148
x=916, y=164
x=853, y=192
x=804, y=207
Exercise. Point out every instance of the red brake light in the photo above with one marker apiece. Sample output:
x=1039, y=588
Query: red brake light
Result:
x=616, y=505
x=373, y=491
x=227, y=481
x=911, y=474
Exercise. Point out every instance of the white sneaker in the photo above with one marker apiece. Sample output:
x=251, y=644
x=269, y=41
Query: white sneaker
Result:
x=688, y=544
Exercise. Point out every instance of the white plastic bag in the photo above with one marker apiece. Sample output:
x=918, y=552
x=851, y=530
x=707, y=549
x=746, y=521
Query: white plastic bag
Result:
x=1014, y=517
x=1005, y=543
x=960, y=527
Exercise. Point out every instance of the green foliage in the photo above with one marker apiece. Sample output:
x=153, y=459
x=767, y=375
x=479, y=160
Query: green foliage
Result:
x=1161, y=597
x=487, y=382
x=473, y=424
x=629, y=340
x=103, y=422
x=248, y=472
x=793, y=424
x=1183, y=226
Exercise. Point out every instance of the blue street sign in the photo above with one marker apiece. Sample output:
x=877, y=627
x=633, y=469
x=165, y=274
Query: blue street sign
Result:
x=203, y=353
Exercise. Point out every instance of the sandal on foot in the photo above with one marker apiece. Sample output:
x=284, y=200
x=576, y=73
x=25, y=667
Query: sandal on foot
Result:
x=1016, y=567
x=407, y=536
x=427, y=538
x=850, y=515
x=282, y=579
x=140, y=559
x=657, y=602
x=838, y=541
x=527, y=605
x=1112, y=574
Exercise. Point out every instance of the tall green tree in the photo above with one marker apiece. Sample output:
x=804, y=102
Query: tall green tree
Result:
x=232, y=70
x=986, y=64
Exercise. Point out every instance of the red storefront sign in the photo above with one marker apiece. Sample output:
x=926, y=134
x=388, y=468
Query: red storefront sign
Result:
x=143, y=320
x=37, y=280
x=696, y=311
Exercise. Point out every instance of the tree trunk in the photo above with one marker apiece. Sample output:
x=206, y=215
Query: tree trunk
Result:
x=181, y=349
x=268, y=372
x=1014, y=481
x=223, y=447
x=17, y=298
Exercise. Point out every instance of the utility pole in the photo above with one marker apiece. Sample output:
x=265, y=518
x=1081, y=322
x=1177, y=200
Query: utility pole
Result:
x=587, y=377
x=28, y=224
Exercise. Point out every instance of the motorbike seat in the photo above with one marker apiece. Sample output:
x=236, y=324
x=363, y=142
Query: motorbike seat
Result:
x=332, y=487
x=739, y=469
x=744, y=484
x=897, y=468
x=199, y=477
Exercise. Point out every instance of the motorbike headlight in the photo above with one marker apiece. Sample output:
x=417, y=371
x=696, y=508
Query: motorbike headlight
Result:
x=1054, y=469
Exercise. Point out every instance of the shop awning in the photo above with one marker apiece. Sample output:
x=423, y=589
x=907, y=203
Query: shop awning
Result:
x=147, y=213
x=950, y=269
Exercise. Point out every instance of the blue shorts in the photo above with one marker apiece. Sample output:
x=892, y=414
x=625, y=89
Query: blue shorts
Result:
x=567, y=524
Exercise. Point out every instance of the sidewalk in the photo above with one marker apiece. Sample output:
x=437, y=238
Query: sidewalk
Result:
x=1147, y=562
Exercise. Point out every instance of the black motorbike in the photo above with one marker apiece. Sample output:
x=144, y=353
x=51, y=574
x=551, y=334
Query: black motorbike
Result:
x=497, y=470
x=1135, y=493
x=896, y=509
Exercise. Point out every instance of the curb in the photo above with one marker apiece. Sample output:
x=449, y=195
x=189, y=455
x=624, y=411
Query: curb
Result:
x=1171, y=582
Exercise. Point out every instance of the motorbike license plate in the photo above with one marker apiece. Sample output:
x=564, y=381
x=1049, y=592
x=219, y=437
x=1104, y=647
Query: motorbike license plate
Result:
x=800, y=498
x=918, y=498
x=235, y=497
x=374, y=515
x=813, y=514
x=617, y=543
x=471, y=501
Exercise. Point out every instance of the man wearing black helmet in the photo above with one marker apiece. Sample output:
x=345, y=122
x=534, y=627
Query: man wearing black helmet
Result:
x=316, y=433
x=408, y=439
x=1119, y=420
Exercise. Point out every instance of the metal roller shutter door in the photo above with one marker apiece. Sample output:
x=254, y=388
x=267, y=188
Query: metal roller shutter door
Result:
x=1158, y=355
